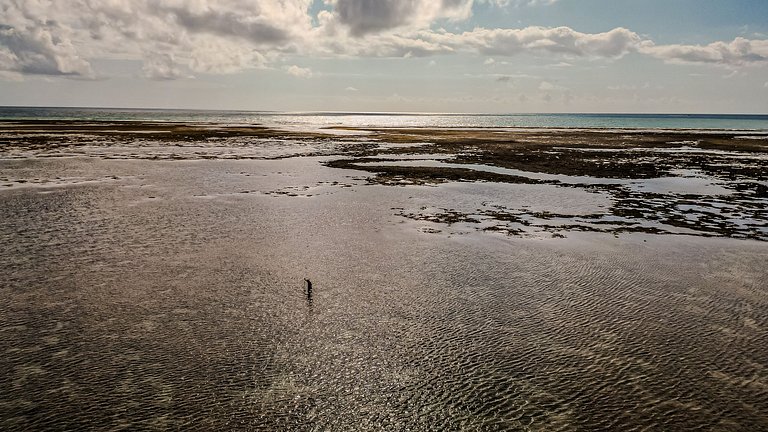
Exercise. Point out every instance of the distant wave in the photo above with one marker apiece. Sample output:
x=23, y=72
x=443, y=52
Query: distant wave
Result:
x=312, y=120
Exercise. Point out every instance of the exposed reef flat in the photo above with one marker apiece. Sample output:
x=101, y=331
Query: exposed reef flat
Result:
x=698, y=183
x=709, y=183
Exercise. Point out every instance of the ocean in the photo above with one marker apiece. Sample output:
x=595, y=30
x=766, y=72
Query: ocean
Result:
x=311, y=120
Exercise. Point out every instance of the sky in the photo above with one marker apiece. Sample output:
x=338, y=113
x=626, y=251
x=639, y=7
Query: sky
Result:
x=469, y=56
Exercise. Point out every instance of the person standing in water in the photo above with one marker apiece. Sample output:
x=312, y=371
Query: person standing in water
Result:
x=308, y=283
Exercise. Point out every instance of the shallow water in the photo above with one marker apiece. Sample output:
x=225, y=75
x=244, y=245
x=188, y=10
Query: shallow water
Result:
x=687, y=182
x=317, y=120
x=686, y=201
x=168, y=294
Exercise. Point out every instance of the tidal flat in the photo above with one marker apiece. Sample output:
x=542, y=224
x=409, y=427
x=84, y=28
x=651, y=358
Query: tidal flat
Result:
x=464, y=279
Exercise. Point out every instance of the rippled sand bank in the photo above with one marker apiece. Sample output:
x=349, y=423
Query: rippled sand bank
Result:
x=157, y=283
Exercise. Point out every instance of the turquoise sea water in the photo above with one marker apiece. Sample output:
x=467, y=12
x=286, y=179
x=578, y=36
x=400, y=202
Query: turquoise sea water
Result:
x=304, y=120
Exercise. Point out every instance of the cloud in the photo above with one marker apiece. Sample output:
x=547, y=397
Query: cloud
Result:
x=559, y=40
x=218, y=56
x=38, y=51
x=253, y=27
x=169, y=36
x=364, y=17
x=159, y=67
x=387, y=45
x=738, y=52
x=299, y=72
x=174, y=39
x=548, y=86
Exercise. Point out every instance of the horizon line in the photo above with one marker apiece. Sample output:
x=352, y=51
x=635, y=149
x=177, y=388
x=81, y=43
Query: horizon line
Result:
x=417, y=113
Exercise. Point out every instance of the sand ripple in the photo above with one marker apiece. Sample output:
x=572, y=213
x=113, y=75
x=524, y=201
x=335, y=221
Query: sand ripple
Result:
x=133, y=303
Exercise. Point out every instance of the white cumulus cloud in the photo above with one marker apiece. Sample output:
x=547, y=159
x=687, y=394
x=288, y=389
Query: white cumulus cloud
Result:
x=559, y=40
x=738, y=52
x=161, y=66
x=299, y=72
x=40, y=50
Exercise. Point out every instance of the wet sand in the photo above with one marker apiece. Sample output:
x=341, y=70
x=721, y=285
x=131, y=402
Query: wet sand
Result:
x=494, y=280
